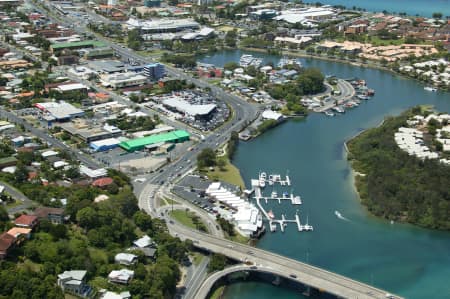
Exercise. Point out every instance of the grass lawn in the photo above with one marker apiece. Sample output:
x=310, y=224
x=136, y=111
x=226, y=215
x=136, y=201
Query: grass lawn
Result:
x=184, y=218
x=13, y=204
x=215, y=81
x=376, y=41
x=167, y=201
x=217, y=293
x=230, y=174
x=226, y=28
x=239, y=238
x=197, y=258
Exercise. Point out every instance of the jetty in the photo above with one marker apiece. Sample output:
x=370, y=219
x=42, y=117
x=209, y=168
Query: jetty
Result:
x=259, y=184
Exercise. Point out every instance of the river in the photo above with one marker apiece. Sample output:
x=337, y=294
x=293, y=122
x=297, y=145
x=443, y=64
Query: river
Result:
x=403, y=259
x=424, y=8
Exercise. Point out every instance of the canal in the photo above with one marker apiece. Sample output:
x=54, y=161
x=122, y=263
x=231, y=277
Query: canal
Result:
x=403, y=259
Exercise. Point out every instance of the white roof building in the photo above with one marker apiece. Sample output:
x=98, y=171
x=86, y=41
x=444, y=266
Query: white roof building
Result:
x=125, y=258
x=121, y=276
x=305, y=16
x=162, y=25
x=269, y=114
x=247, y=217
x=119, y=80
x=60, y=164
x=188, y=108
x=59, y=111
x=143, y=242
x=50, y=153
x=71, y=87
x=93, y=173
x=112, y=295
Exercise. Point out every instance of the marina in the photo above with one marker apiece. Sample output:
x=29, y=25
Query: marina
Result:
x=312, y=150
x=272, y=179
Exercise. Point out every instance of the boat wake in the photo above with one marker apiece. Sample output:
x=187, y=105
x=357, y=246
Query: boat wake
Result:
x=339, y=215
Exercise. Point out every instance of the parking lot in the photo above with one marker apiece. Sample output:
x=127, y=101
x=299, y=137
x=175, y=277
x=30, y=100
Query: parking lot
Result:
x=192, y=188
x=209, y=123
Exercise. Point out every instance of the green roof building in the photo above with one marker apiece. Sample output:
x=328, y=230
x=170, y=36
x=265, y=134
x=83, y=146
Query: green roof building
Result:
x=140, y=143
x=76, y=45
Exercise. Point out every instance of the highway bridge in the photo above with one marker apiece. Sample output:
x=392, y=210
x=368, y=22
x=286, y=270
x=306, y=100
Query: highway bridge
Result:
x=269, y=262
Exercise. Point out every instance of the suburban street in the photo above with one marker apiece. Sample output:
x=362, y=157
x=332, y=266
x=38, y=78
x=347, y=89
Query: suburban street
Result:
x=157, y=185
x=45, y=136
x=17, y=195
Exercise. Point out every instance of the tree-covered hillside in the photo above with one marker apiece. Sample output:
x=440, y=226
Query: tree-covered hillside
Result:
x=397, y=186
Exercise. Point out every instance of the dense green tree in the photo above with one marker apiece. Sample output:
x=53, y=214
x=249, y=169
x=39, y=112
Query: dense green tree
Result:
x=398, y=186
x=134, y=40
x=206, y=158
x=231, y=38
x=217, y=263
x=87, y=217
x=143, y=221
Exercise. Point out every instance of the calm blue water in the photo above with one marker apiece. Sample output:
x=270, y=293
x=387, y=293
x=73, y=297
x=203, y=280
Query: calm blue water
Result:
x=403, y=259
x=411, y=7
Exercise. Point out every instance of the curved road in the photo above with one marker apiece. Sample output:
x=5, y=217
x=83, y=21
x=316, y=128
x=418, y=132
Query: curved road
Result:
x=243, y=113
x=312, y=276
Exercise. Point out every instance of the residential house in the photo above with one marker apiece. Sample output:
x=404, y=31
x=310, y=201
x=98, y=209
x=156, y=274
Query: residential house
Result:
x=20, y=234
x=145, y=245
x=7, y=242
x=102, y=182
x=125, y=258
x=27, y=221
x=112, y=295
x=74, y=282
x=54, y=215
x=122, y=276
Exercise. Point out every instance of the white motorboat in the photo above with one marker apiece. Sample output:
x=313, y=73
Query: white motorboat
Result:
x=328, y=113
x=429, y=88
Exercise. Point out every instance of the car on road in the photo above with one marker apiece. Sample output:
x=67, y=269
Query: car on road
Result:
x=140, y=180
x=250, y=252
x=253, y=267
x=293, y=275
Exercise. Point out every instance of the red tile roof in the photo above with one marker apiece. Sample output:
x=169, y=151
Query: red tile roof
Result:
x=102, y=182
x=26, y=220
x=6, y=241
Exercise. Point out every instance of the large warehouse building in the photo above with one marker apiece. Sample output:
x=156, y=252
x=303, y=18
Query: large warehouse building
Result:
x=140, y=143
x=197, y=111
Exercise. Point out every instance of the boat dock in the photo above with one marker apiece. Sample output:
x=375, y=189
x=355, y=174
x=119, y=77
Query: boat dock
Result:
x=276, y=179
x=295, y=200
x=283, y=221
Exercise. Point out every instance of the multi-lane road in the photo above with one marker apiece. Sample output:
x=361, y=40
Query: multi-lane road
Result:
x=317, y=278
x=243, y=114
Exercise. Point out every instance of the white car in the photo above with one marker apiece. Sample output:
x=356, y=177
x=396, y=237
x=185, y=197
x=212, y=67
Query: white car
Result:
x=140, y=180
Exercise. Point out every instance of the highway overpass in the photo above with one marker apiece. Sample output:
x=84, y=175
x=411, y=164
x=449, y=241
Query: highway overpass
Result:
x=269, y=262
